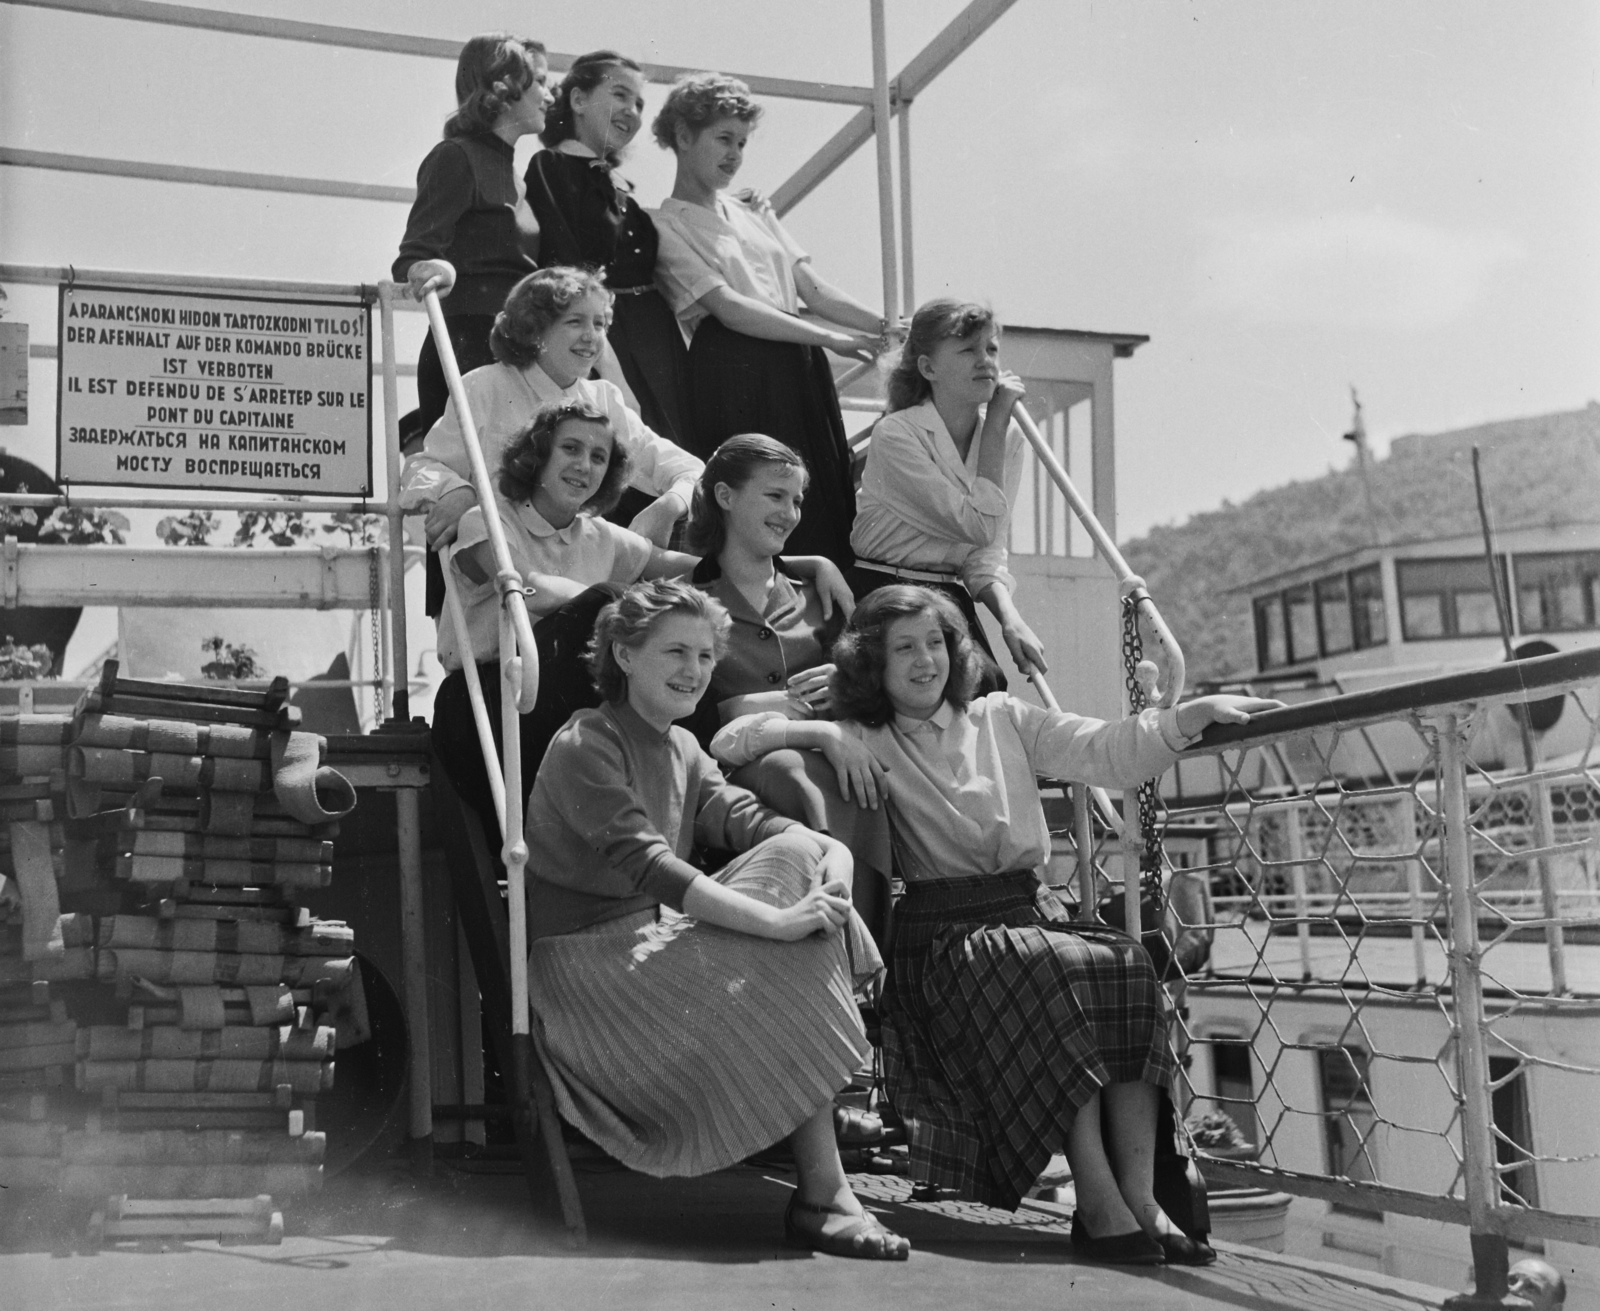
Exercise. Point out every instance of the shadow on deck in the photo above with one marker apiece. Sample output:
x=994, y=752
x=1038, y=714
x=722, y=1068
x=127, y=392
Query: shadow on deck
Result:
x=382, y=1239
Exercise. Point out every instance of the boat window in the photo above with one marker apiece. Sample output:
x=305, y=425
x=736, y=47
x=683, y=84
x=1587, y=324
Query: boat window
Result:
x=1368, y=620
x=1446, y=598
x=1558, y=591
x=1234, y=1081
x=1333, y=614
x=1302, y=623
x=1513, y=1139
x=1272, y=646
x=1349, y=1123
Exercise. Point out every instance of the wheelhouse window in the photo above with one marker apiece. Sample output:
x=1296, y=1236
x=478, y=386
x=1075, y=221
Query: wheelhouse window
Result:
x=1234, y=1078
x=1558, y=591
x=1446, y=598
x=1348, y=1119
x=1337, y=613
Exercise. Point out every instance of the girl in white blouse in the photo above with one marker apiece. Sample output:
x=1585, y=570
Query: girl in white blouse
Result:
x=942, y=474
x=736, y=279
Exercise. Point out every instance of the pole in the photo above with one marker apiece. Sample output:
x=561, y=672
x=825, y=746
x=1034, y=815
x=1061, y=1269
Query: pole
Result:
x=880, y=124
x=400, y=659
x=907, y=280
x=1489, y=1257
x=1555, y=944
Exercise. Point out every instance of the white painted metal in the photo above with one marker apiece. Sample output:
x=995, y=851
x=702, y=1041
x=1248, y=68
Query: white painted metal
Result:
x=400, y=698
x=908, y=281
x=880, y=121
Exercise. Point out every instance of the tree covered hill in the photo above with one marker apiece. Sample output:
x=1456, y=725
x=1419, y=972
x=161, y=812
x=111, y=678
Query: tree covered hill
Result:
x=1542, y=470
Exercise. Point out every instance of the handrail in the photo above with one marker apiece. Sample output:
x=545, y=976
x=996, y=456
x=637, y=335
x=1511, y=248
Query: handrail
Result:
x=1510, y=681
x=519, y=678
x=1159, y=641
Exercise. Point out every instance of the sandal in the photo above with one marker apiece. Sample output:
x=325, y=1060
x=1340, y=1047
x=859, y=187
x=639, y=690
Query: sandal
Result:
x=854, y=1127
x=853, y=1240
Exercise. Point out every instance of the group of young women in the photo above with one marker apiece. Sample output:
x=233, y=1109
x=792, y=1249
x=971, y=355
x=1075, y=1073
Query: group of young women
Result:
x=827, y=652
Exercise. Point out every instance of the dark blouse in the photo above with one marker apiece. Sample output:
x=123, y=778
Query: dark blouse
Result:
x=589, y=221
x=468, y=211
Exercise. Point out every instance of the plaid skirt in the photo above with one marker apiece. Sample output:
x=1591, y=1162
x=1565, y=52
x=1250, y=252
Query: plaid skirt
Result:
x=1001, y=1018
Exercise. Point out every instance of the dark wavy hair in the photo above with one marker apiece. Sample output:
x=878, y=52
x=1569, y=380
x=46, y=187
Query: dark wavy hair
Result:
x=534, y=306
x=939, y=320
x=493, y=71
x=629, y=619
x=860, y=654
x=698, y=100
x=587, y=72
x=735, y=462
x=528, y=452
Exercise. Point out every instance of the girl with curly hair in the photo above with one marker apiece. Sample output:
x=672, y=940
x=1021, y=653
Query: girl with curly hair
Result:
x=470, y=236
x=557, y=478
x=690, y=1020
x=737, y=280
x=1010, y=1032
x=942, y=473
x=588, y=218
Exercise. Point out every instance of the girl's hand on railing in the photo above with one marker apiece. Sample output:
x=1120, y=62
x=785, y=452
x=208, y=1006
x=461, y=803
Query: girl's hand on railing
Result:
x=813, y=689
x=1194, y=717
x=440, y=525
x=1026, y=649
x=1008, y=391
x=822, y=910
x=860, y=346
x=431, y=275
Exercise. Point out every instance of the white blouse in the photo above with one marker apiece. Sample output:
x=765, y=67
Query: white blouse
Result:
x=735, y=246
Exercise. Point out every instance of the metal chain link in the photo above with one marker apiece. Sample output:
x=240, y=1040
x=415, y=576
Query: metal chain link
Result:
x=1149, y=824
x=374, y=574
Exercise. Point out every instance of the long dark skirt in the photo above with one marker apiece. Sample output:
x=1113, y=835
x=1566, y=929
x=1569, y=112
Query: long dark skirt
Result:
x=1000, y=1020
x=649, y=347
x=863, y=582
x=564, y=688
x=742, y=384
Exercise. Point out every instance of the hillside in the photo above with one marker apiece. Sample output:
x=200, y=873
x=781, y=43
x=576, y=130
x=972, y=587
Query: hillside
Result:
x=1539, y=470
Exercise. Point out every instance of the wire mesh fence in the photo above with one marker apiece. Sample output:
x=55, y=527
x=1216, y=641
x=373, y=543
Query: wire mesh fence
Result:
x=1385, y=953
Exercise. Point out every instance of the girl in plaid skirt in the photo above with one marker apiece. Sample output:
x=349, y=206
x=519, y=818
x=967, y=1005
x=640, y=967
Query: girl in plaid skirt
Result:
x=1009, y=1034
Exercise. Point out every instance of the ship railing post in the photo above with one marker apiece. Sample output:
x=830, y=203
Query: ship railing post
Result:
x=399, y=657
x=880, y=122
x=1490, y=1258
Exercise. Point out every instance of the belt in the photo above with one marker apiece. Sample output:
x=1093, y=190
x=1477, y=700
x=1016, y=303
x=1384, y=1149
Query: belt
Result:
x=911, y=575
x=632, y=291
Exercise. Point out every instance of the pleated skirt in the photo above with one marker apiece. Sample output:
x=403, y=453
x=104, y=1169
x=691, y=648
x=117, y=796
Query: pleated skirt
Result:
x=681, y=1048
x=1001, y=1018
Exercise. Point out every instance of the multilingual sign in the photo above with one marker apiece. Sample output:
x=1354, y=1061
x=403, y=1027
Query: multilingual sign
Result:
x=224, y=392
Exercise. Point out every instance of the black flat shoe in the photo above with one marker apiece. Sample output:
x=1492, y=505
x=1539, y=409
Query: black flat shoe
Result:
x=1134, y=1248
x=1180, y=1249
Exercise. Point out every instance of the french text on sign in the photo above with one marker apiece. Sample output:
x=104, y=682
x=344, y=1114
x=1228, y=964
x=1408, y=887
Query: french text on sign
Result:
x=144, y=373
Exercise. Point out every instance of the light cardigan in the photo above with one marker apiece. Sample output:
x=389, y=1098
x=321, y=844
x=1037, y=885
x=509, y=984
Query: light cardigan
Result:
x=503, y=400
x=963, y=795
x=921, y=506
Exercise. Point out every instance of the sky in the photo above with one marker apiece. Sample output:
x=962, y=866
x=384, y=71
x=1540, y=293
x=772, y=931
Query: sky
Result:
x=1288, y=198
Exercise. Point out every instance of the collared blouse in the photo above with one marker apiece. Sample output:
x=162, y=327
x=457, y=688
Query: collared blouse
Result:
x=589, y=550
x=963, y=795
x=615, y=810
x=503, y=400
x=787, y=636
x=469, y=211
x=735, y=246
x=921, y=506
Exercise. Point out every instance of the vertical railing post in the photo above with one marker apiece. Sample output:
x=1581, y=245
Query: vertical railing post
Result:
x=1555, y=938
x=399, y=659
x=1083, y=835
x=907, y=278
x=1297, y=880
x=1490, y=1261
x=880, y=123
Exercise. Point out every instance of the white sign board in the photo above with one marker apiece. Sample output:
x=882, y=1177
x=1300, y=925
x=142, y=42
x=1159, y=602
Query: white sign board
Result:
x=228, y=393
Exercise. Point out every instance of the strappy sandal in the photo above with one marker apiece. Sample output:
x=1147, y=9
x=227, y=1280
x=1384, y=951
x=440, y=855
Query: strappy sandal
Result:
x=854, y=1127
x=853, y=1240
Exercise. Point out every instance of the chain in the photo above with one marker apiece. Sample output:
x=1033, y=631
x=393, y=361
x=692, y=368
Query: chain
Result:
x=374, y=572
x=1149, y=829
